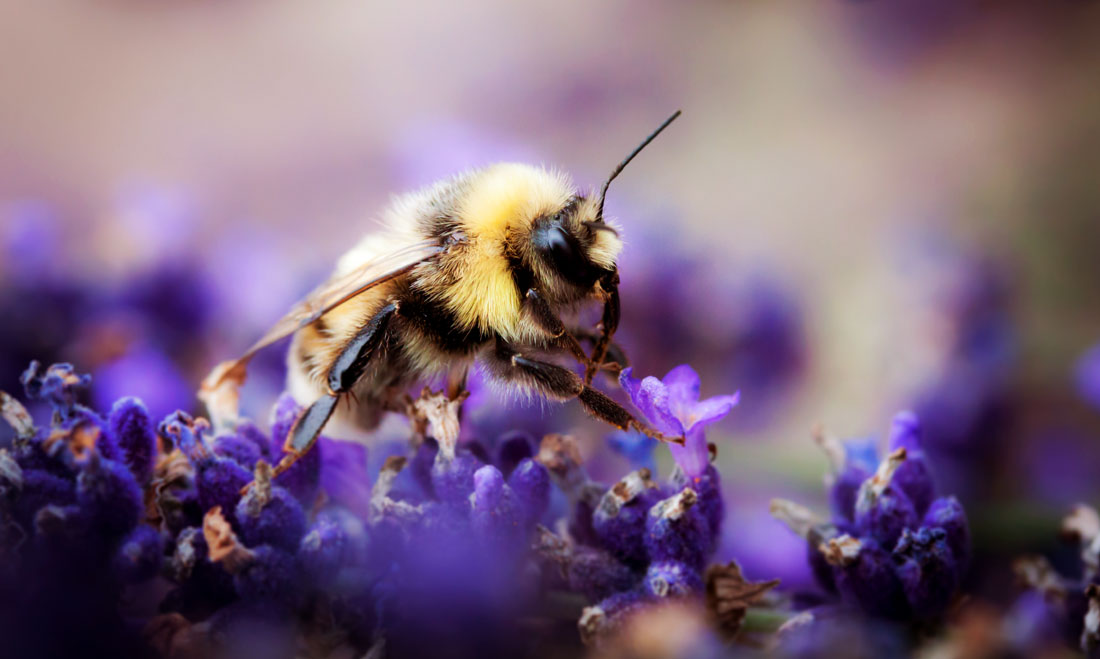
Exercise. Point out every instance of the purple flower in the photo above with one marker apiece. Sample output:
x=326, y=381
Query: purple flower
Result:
x=139, y=556
x=1088, y=376
x=927, y=569
x=672, y=405
x=133, y=430
x=892, y=550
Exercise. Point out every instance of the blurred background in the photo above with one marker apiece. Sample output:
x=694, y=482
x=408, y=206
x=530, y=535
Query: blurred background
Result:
x=865, y=207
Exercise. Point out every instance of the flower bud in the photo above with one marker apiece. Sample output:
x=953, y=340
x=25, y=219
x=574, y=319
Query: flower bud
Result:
x=531, y=484
x=913, y=476
x=671, y=579
x=593, y=572
x=108, y=494
x=864, y=575
x=140, y=555
x=132, y=428
x=711, y=504
x=323, y=551
x=268, y=515
x=947, y=513
x=271, y=574
x=495, y=513
x=882, y=510
x=676, y=531
x=599, y=621
x=620, y=517
x=927, y=570
x=453, y=479
x=513, y=448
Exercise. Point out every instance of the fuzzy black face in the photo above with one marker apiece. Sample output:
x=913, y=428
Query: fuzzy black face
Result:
x=562, y=243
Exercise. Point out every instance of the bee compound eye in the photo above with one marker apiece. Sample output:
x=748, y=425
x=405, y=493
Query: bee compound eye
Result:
x=561, y=246
x=567, y=257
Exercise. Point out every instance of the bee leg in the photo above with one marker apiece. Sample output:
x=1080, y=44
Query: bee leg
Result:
x=609, y=323
x=307, y=427
x=545, y=318
x=345, y=372
x=616, y=359
x=353, y=359
x=558, y=382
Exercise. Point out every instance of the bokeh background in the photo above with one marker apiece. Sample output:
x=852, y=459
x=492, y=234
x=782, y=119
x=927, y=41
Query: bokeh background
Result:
x=867, y=206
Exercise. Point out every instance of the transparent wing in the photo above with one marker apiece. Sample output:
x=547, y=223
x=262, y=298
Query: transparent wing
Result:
x=327, y=297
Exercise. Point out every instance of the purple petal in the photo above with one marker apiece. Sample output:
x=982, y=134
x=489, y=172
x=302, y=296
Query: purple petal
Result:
x=682, y=384
x=693, y=455
x=655, y=395
x=651, y=398
x=711, y=410
x=629, y=384
x=905, y=432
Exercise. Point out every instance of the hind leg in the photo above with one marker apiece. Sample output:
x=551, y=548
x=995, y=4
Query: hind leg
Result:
x=342, y=376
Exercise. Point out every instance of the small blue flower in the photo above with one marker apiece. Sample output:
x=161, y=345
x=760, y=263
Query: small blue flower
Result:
x=672, y=405
x=636, y=447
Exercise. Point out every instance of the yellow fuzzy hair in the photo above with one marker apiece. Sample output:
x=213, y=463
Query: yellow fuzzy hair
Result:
x=501, y=199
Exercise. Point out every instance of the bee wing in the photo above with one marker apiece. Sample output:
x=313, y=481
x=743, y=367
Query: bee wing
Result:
x=325, y=298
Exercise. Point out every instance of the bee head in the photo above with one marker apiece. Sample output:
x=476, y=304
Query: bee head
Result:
x=574, y=246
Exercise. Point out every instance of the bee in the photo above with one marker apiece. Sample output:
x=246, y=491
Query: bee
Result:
x=478, y=268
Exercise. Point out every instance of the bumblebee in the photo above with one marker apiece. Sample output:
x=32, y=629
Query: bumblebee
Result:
x=478, y=268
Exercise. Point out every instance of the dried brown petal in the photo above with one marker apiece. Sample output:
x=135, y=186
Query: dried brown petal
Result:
x=80, y=439
x=873, y=487
x=17, y=416
x=222, y=543
x=172, y=472
x=259, y=493
x=841, y=551
x=1082, y=524
x=381, y=505
x=729, y=596
x=559, y=453
x=625, y=491
x=1036, y=572
x=440, y=414
x=220, y=392
x=1090, y=635
x=798, y=518
x=831, y=446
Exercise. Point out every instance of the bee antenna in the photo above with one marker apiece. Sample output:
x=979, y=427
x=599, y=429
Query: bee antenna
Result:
x=621, y=166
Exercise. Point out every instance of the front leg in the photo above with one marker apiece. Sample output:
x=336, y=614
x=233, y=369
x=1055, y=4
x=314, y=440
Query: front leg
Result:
x=510, y=364
x=616, y=359
x=549, y=322
x=608, y=324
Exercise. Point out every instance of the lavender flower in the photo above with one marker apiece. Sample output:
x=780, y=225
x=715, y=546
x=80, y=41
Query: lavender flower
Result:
x=444, y=548
x=892, y=550
x=1056, y=609
x=672, y=405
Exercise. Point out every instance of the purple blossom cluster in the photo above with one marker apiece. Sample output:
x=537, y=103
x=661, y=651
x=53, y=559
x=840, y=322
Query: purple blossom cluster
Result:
x=1060, y=610
x=124, y=536
x=892, y=549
